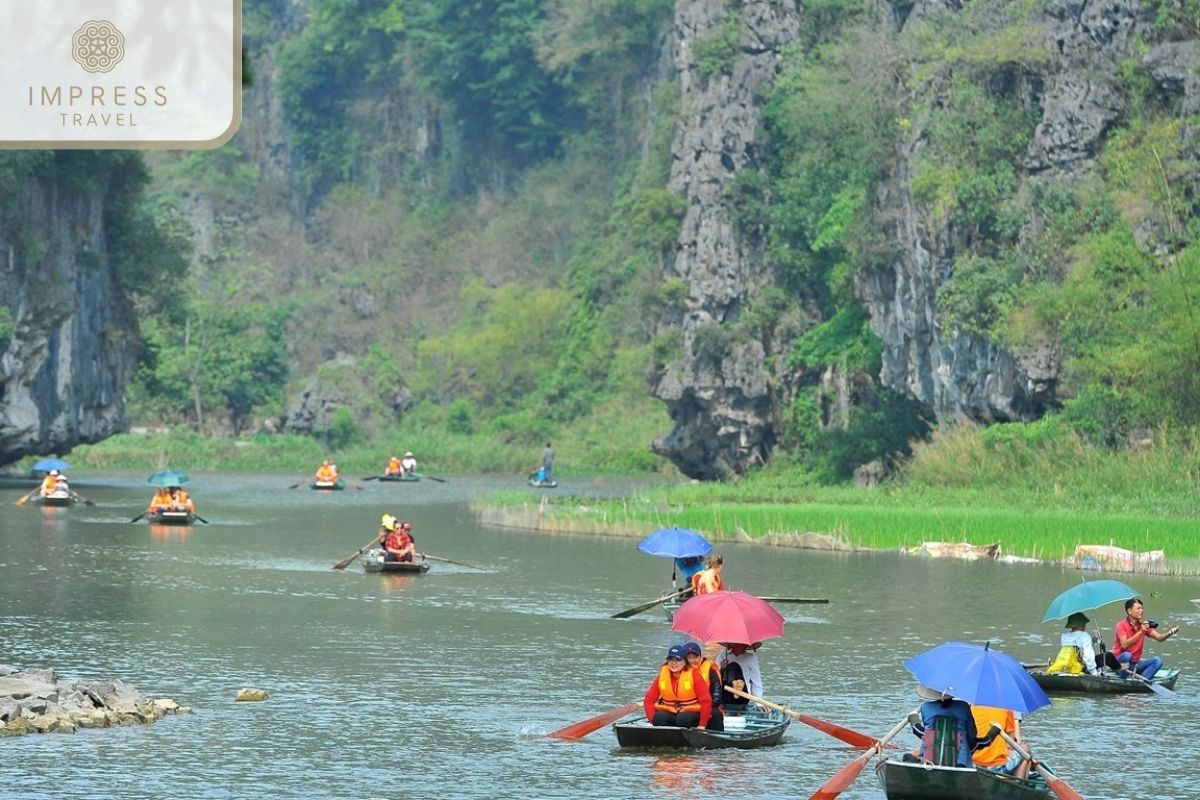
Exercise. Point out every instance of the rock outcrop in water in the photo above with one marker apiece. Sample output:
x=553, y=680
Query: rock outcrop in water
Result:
x=37, y=701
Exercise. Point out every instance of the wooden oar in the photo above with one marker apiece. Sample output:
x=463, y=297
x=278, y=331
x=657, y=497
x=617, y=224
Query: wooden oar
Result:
x=439, y=480
x=20, y=501
x=355, y=485
x=450, y=561
x=582, y=729
x=1062, y=790
x=850, y=737
x=845, y=776
x=629, y=612
x=1157, y=688
x=346, y=561
x=78, y=498
x=795, y=599
x=294, y=485
x=139, y=516
x=202, y=519
x=370, y=478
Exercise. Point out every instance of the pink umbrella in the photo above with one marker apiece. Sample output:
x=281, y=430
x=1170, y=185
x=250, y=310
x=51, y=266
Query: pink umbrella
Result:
x=728, y=617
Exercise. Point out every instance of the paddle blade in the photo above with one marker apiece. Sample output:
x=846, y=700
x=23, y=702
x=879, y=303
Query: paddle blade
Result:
x=1062, y=790
x=850, y=737
x=845, y=776
x=582, y=729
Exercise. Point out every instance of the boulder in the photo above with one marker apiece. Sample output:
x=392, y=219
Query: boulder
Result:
x=251, y=695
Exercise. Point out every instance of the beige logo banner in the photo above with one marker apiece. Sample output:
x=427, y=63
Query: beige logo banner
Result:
x=133, y=74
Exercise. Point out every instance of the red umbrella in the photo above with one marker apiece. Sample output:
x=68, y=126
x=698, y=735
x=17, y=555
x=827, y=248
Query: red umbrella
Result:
x=728, y=617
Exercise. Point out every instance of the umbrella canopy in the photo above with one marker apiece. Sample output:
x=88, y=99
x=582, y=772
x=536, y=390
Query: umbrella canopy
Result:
x=978, y=674
x=47, y=464
x=168, y=477
x=675, y=543
x=1086, y=596
x=728, y=617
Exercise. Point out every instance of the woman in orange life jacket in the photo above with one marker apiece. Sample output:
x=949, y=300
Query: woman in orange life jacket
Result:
x=712, y=678
x=160, y=502
x=49, y=484
x=327, y=472
x=393, y=467
x=181, y=500
x=678, y=695
x=707, y=581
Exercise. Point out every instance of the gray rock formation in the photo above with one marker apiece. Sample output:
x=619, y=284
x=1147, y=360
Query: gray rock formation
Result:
x=718, y=393
x=74, y=337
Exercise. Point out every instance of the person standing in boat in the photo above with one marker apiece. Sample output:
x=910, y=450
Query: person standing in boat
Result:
x=739, y=665
x=409, y=463
x=678, y=695
x=708, y=580
x=1078, y=652
x=1129, y=638
x=547, y=474
x=712, y=677
x=393, y=467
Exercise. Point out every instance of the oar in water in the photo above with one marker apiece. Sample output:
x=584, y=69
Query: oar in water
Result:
x=795, y=599
x=20, y=501
x=432, y=478
x=582, y=729
x=450, y=561
x=202, y=519
x=78, y=498
x=850, y=737
x=845, y=776
x=346, y=561
x=370, y=478
x=629, y=612
x=294, y=485
x=139, y=516
x=1062, y=790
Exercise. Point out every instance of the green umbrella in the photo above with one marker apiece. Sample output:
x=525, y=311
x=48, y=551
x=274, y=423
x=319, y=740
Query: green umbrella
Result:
x=168, y=477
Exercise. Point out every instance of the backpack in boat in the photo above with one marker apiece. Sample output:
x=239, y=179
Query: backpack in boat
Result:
x=1069, y=661
x=941, y=742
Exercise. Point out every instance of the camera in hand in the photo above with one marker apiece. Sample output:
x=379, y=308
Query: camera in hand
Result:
x=1152, y=623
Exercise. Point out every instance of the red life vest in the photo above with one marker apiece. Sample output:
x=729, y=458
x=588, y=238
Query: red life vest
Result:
x=679, y=695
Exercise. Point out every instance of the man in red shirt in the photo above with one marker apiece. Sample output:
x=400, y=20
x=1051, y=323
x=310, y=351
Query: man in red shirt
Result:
x=1130, y=636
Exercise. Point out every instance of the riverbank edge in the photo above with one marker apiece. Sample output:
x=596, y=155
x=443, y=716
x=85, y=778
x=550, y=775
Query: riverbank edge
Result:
x=544, y=519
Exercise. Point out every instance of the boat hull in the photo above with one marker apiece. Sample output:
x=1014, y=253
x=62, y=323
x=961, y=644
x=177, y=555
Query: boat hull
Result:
x=543, y=484
x=328, y=486
x=372, y=561
x=902, y=780
x=407, y=478
x=55, y=500
x=1107, y=683
x=171, y=518
x=761, y=730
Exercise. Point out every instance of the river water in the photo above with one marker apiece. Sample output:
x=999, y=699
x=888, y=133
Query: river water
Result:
x=443, y=685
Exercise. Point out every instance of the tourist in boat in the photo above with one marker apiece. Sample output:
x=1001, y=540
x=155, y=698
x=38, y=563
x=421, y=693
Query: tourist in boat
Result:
x=409, y=463
x=160, y=502
x=712, y=676
x=708, y=580
x=394, y=467
x=180, y=500
x=1129, y=638
x=740, y=668
x=49, y=484
x=939, y=705
x=686, y=568
x=1077, y=654
x=398, y=542
x=327, y=472
x=678, y=695
x=993, y=751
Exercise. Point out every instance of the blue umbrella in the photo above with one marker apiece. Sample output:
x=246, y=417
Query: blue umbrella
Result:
x=47, y=464
x=675, y=543
x=978, y=674
x=168, y=477
x=1086, y=596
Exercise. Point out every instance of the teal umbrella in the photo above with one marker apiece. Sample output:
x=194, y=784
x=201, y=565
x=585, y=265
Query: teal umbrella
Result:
x=168, y=477
x=1086, y=596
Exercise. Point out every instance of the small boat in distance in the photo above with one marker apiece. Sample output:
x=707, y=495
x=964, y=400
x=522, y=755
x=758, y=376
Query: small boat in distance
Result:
x=742, y=731
x=55, y=499
x=407, y=477
x=534, y=482
x=373, y=561
x=329, y=486
x=171, y=517
x=1105, y=683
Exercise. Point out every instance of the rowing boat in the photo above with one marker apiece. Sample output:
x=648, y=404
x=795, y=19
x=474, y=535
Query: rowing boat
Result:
x=915, y=780
x=328, y=486
x=743, y=731
x=1106, y=683
x=57, y=499
x=408, y=477
x=543, y=484
x=175, y=517
x=373, y=561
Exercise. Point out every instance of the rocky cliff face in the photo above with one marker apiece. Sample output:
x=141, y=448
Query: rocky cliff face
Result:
x=73, y=346
x=719, y=392
x=722, y=406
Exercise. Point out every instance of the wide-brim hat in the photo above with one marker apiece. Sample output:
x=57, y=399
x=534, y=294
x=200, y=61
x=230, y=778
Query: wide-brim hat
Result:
x=1077, y=620
x=925, y=693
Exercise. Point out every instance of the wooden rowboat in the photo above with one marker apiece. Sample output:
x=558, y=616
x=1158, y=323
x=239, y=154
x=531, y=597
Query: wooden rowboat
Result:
x=57, y=499
x=743, y=731
x=372, y=561
x=328, y=486
x=408, y=477
x=913, y=780
x=171, y=518
x=1106, y=683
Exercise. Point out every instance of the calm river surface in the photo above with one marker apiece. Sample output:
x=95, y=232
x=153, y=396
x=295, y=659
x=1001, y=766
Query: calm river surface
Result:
x=442, y=685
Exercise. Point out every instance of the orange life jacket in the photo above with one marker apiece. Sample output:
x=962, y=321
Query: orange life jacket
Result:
x=676, y=697
x=707, y=581
x=49, y=484
x=161, y=500
x=393, y=467
x=325, y=473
